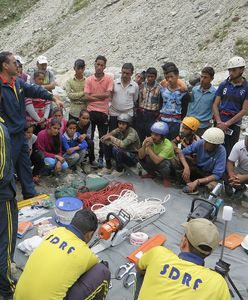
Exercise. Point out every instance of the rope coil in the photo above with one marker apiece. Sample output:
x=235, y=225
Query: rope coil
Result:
x=128, y=200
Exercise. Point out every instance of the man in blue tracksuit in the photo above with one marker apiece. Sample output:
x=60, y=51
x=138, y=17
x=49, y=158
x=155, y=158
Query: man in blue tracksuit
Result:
x=12, y=110
x=8, y=213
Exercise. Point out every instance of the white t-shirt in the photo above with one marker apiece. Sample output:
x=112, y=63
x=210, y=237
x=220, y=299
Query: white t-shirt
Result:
x=239, y=154
x=124, y=98
x=32, y=141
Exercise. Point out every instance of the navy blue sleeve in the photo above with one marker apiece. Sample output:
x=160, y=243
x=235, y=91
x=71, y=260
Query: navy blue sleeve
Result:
x=65, y=145
x=35, y=91
x=219, y=91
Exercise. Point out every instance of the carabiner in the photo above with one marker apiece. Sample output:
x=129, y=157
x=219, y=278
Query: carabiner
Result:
x=126, y=281
x=123, y=270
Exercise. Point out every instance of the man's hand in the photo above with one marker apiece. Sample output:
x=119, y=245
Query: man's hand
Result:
x=222, y=126
x=58, y=101
x=235, y=180
x=106, y=137
x=148, y=141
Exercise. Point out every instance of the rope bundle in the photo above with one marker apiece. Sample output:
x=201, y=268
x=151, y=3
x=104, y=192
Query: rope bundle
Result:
x=101, y=198
x=128, y=200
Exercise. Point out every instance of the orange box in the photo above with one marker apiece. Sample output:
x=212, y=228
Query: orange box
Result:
x=232, y=241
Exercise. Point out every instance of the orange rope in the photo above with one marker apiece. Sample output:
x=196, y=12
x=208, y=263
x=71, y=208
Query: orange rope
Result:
x=101, y=197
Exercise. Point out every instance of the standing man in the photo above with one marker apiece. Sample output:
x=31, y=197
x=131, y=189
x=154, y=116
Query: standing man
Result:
x=150, y=103
x=164, y=275
x=8, y=212
x=49, y=80
x=175, y=99
x=12, y=110
x=98, y=89
x=125, y=95
x=203, y=95
x=75, y=90
x=231, y=102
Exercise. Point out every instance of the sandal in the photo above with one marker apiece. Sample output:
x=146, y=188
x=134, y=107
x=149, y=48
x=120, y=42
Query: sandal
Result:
x=186, y=191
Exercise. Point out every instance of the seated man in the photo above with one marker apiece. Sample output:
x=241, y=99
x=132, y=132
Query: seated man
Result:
x=187, y=133
x=121, y=144
x=237, y=176
x=185, y=138
x=156, y=152
x=61, y=263
x=164, y=275
x=210, y=161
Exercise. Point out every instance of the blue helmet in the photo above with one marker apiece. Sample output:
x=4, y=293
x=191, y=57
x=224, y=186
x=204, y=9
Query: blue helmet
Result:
x=160, y=128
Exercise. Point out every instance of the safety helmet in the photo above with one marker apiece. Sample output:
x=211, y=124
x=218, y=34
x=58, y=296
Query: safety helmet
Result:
x=191, y=122
x=244, y=243
x=236, y=62
x=214, y=135
x=160, y=128
x=124, y=118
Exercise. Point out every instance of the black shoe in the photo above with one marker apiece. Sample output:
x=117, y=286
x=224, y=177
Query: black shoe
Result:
x=228, y=190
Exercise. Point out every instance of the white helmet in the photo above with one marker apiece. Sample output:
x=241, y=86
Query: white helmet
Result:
x=214, y=135
x=236, y=62
x=244, y=243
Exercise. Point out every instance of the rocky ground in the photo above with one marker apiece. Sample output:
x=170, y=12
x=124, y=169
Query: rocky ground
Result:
x=191, y=33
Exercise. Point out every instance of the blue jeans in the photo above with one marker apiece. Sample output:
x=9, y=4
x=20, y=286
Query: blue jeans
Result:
x=51, y=162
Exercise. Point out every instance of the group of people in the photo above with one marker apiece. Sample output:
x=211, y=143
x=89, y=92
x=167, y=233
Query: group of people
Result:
x=168, y=130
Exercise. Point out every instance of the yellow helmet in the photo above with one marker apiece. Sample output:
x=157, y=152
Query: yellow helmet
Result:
x=191, y=122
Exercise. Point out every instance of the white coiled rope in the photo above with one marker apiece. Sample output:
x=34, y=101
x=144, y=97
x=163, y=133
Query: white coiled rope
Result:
x=128, y=200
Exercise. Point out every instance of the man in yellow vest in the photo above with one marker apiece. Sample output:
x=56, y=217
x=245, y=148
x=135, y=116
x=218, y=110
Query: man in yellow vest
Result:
x=63, y=259
x=182, y=277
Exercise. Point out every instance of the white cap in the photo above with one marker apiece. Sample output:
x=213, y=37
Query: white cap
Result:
x=19, y=59
x=42, y=60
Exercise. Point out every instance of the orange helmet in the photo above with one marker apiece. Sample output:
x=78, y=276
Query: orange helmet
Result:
x=191, y=122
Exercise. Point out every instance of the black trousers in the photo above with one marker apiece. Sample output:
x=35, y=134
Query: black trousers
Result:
x=37, y=160
x=163, y=168
x=231, y=140
x=99, y=120
x=8, y=232
x=22, y=164
x=91, y=149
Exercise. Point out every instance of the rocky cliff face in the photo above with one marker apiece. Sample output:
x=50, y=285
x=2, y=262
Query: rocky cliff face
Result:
x=192, y=33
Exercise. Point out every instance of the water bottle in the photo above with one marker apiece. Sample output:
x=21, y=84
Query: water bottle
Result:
x=218, y=203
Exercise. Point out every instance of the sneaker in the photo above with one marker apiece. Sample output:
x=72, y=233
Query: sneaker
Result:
x=115, y=173
x=100, y=163
x=104, y=171
x=186, y=191
x=94, y=164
